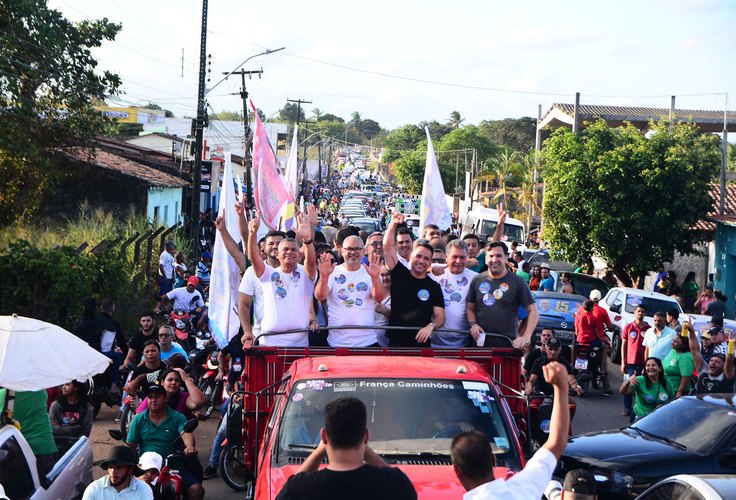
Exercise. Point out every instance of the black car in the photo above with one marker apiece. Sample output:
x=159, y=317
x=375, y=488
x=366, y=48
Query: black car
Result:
x=557, y=311
x=690, y=435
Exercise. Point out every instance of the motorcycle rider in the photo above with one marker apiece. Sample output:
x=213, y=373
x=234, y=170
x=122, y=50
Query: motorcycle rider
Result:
x=536, y=380
x=185, y=299
x=539, y=352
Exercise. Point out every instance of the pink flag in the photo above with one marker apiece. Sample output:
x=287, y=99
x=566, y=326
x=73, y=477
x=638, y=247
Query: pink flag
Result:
x=270, y=191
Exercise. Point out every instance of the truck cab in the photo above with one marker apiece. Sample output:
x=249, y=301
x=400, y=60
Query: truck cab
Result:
x=418, y=400
x=483, y=221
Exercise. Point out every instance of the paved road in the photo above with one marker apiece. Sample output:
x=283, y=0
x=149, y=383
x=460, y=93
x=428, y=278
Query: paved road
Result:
x=594, y=413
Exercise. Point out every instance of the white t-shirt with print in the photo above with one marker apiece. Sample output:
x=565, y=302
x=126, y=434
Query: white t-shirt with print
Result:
x=287, y=300
x=350, y=302
x=184, y=300
x=250, y=285
x=455, y=289
x=168, y=262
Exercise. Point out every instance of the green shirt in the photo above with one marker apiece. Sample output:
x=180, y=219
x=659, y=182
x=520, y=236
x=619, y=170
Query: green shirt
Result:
x=647, y=399
x=30, y=410
x=690, y=289
x=677, y=365
x=523, y=275
x=160, y=438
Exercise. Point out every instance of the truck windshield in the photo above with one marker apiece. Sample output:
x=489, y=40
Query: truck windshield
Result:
x=513, y=233
x=406, y=417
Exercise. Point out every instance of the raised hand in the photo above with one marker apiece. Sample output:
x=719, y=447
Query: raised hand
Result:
x=220, y=224
x=240, y=207
x=398, y=218
x=254, y=224
x=555, y=374
x=502, y=214
x=312, y=215
x=374, y=267
x=303, y=230
x=325, y=265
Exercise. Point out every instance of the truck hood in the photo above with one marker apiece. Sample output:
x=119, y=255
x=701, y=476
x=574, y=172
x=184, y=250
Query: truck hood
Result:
x=431, y=481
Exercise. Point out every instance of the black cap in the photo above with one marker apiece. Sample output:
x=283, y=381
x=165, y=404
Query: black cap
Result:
x=553, y=342
x=715, y=330
x=120, y=455
x=155, y=389
x=580, y=481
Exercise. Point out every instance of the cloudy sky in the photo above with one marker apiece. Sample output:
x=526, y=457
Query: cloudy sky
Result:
x=406, y=61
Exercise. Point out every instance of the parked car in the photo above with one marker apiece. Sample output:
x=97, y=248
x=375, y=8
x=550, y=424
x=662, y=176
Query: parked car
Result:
x=557, y=311
x=368, y=225
x=582, y=283
x=691, y=434
x=621, y=302
x=693, y=487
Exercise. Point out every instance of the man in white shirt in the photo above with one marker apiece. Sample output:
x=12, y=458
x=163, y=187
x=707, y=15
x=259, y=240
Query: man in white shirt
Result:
x=166, y=265
x=289, y=288
x=351, y=290
x=251, y=289
x=473, y=462
x=658, y=339
x=119, y=483
x=455, y=284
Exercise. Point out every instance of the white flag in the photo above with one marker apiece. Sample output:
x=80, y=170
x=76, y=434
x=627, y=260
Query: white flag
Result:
x=434, y=204
x=225, y=276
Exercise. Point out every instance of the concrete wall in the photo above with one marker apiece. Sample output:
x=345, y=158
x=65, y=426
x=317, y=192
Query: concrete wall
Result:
x=725, y=265
x=164, y=205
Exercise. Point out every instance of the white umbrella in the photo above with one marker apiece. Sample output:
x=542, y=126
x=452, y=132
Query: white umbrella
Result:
x=36, y=355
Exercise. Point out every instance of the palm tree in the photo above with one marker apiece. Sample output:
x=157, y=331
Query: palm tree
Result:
x=506, y=168
x=526, y=196
x=317, y=114
x=455, y=120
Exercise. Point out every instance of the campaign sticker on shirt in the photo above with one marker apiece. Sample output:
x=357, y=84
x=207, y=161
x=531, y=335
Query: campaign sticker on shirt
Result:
x=423, y=295
x=349, y=303
x=280, y=292
x=498, y=294
x=342, y=294
x=484, y=287
x=673, y=362
x=632, y=335
x=358, y=302
x=295, y=276
x=455, y=297
x=504, y=287
x=351, y=287
x=663, y=396
x=275, y=276
x=362, y=286
x=443, y=282
x=488, y=299
x=544, y=426
x=340, y=279
x=648, y=398
x=463, y=281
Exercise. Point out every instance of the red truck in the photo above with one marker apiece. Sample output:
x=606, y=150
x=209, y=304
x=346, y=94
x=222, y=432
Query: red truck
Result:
x=417, y=401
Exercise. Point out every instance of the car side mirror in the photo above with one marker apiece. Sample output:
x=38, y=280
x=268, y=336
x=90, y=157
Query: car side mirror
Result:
x=616, y=308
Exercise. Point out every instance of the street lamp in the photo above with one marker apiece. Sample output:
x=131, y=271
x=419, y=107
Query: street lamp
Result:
x=264, y=53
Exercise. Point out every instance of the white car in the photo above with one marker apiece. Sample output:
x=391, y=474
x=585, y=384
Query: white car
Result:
x=693, y=487
x=621, y=302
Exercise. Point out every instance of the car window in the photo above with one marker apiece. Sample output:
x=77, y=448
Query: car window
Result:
x=15, y=475
x=693, y=423
x=673, y=490
x=405, y=416
x=651, y=304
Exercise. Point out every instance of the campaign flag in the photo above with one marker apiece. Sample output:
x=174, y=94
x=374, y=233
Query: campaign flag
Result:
x=225, y=275
x=270, y=190
x=292, y=167
x=433, y=209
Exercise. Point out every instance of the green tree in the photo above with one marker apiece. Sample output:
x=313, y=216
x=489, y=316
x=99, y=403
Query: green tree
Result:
x=48, y=84
x=455, y=121
x=629, y=199
x=518, y=134
x=317, y=114
x=409, y=167
x=369, y=128
x=291, y=113
x=401, y=139
x=153, y=105
x=233, y=116
x=332, y=118
x=355, y=119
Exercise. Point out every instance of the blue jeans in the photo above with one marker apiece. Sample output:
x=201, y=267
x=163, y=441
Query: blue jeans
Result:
x=219, y=438
x=629, y=398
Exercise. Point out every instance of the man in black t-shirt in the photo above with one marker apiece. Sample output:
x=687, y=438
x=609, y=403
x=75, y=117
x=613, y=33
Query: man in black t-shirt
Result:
x=539, y=352
x=536, y=380
x=354, y=470
x=416, y=299
x=144, y=333
x=714, y=379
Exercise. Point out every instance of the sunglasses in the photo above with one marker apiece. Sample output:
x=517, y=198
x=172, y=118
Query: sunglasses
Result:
x=164, y=335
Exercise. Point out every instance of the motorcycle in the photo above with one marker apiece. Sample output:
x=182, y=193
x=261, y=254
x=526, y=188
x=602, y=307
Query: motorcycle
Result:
x=232, y=464
x=204, y=345
x=539, y=414
x=209, y=385
x=183, y=324
x=587, y=366
x=169, y=483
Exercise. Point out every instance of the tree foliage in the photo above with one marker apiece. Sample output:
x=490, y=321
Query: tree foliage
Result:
x=629, y=199
x=291, y=113
x=47, y=85
x=234, y=116
x=518, y=134
x=401, y=139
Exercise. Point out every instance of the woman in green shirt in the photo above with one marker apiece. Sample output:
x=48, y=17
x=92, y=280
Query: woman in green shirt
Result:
x=650, y=390
x=678, y=366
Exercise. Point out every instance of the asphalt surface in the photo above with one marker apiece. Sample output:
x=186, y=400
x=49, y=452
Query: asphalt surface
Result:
x=594, y=413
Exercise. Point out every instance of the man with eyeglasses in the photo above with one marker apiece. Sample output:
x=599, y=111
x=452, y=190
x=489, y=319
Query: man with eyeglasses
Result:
x=536, y=377
x=417, y=300
x=166, y=341
x=373, y=246
x=351, y=290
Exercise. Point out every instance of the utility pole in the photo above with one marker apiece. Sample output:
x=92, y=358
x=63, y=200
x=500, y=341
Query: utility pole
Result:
x=319, y=162
x=299, y=108
x=199, y=132
x=246, y=133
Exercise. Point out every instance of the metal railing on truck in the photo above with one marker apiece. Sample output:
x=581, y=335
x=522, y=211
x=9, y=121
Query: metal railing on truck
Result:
x=265, y=366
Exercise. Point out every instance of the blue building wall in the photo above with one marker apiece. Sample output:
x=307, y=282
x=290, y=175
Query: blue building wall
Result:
x=725, y=265
x=164, y=205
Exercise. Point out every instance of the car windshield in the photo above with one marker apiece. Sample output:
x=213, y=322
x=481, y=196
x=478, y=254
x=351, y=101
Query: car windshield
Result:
x=651, y=304
x=566, y=308
x=513, y=233
x=368, y=226
x=690, y=422
x=405, y=416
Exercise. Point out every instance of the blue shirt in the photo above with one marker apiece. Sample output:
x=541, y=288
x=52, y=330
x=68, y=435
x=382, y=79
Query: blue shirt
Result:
x=103, y=490
x=547, y=284
x=175, y=349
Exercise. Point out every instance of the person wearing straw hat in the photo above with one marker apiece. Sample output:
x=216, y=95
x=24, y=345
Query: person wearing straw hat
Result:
x=120, y=483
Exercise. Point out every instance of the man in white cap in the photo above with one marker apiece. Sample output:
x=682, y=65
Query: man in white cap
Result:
x=150, y=465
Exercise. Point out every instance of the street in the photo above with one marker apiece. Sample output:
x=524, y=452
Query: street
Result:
x=594, y=412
